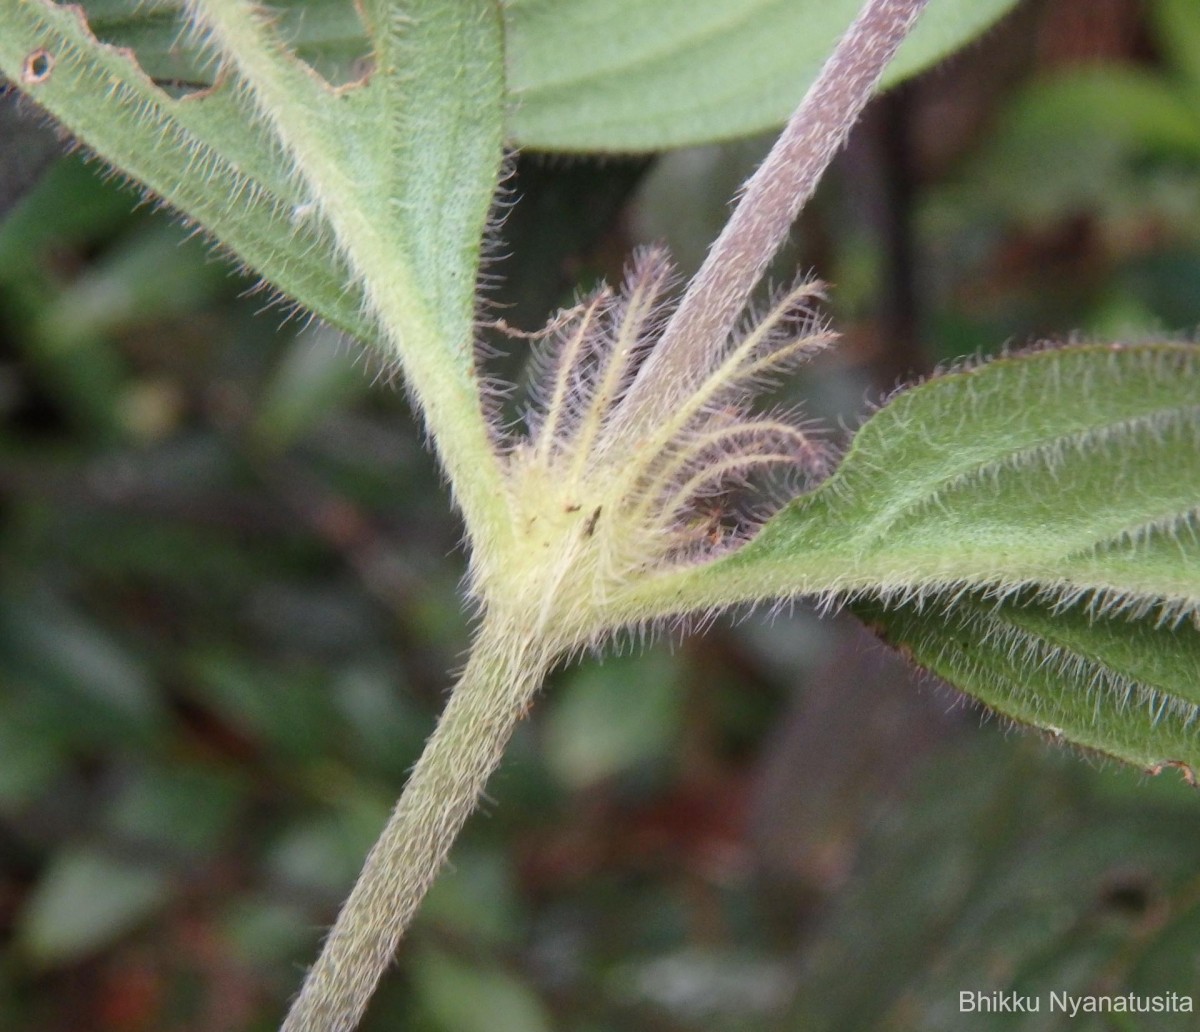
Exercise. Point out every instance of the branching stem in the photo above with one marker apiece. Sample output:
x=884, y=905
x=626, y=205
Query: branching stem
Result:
x=513, y=651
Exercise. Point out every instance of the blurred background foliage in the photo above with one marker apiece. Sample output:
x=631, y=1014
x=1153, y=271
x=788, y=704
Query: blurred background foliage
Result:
x=229, y=603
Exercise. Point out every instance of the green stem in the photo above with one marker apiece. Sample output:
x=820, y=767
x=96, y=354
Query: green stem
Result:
x=505, y=670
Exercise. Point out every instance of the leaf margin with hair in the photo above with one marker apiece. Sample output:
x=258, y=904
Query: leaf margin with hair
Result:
x=1127, y=689
x=100, y=94
x=885, y=521
x=392, y=175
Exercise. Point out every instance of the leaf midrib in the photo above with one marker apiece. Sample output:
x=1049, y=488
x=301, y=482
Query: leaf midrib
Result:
x=937, y=488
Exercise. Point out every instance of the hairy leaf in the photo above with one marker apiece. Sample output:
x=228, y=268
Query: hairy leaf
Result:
x=417, y=143
x=1027, y=530
x=1074, y=472
x=1126, y=688
x=365, y=202
x=203, y=153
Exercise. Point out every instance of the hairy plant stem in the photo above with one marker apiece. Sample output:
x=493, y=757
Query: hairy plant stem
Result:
x=512, y=651
x=772, y=198
x=506, y=668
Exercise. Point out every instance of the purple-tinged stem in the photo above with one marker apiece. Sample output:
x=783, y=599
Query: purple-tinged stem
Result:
x=771, y=199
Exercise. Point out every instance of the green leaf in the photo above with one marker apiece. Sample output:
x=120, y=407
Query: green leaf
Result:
x=1126, y=688
x=1073, y=471
x=605, y=75
x=367, y=202
x=84, y=901
x=199, y=153
x=326, y=34
x=439, y=92
x=625, y=75
x=1027, y=529
x=417, y=143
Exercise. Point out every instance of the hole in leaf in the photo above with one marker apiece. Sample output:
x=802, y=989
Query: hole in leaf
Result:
x=328, y=35
x=37, y=68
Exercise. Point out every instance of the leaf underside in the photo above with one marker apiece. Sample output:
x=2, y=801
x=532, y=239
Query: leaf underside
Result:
x=601, y=75
x=1026, y=529
x=1127, y=688
x=138, y=86
x=419, y=137
x=206, y=154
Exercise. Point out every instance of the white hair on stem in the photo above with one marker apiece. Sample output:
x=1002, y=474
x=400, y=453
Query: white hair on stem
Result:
x=589, y=505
